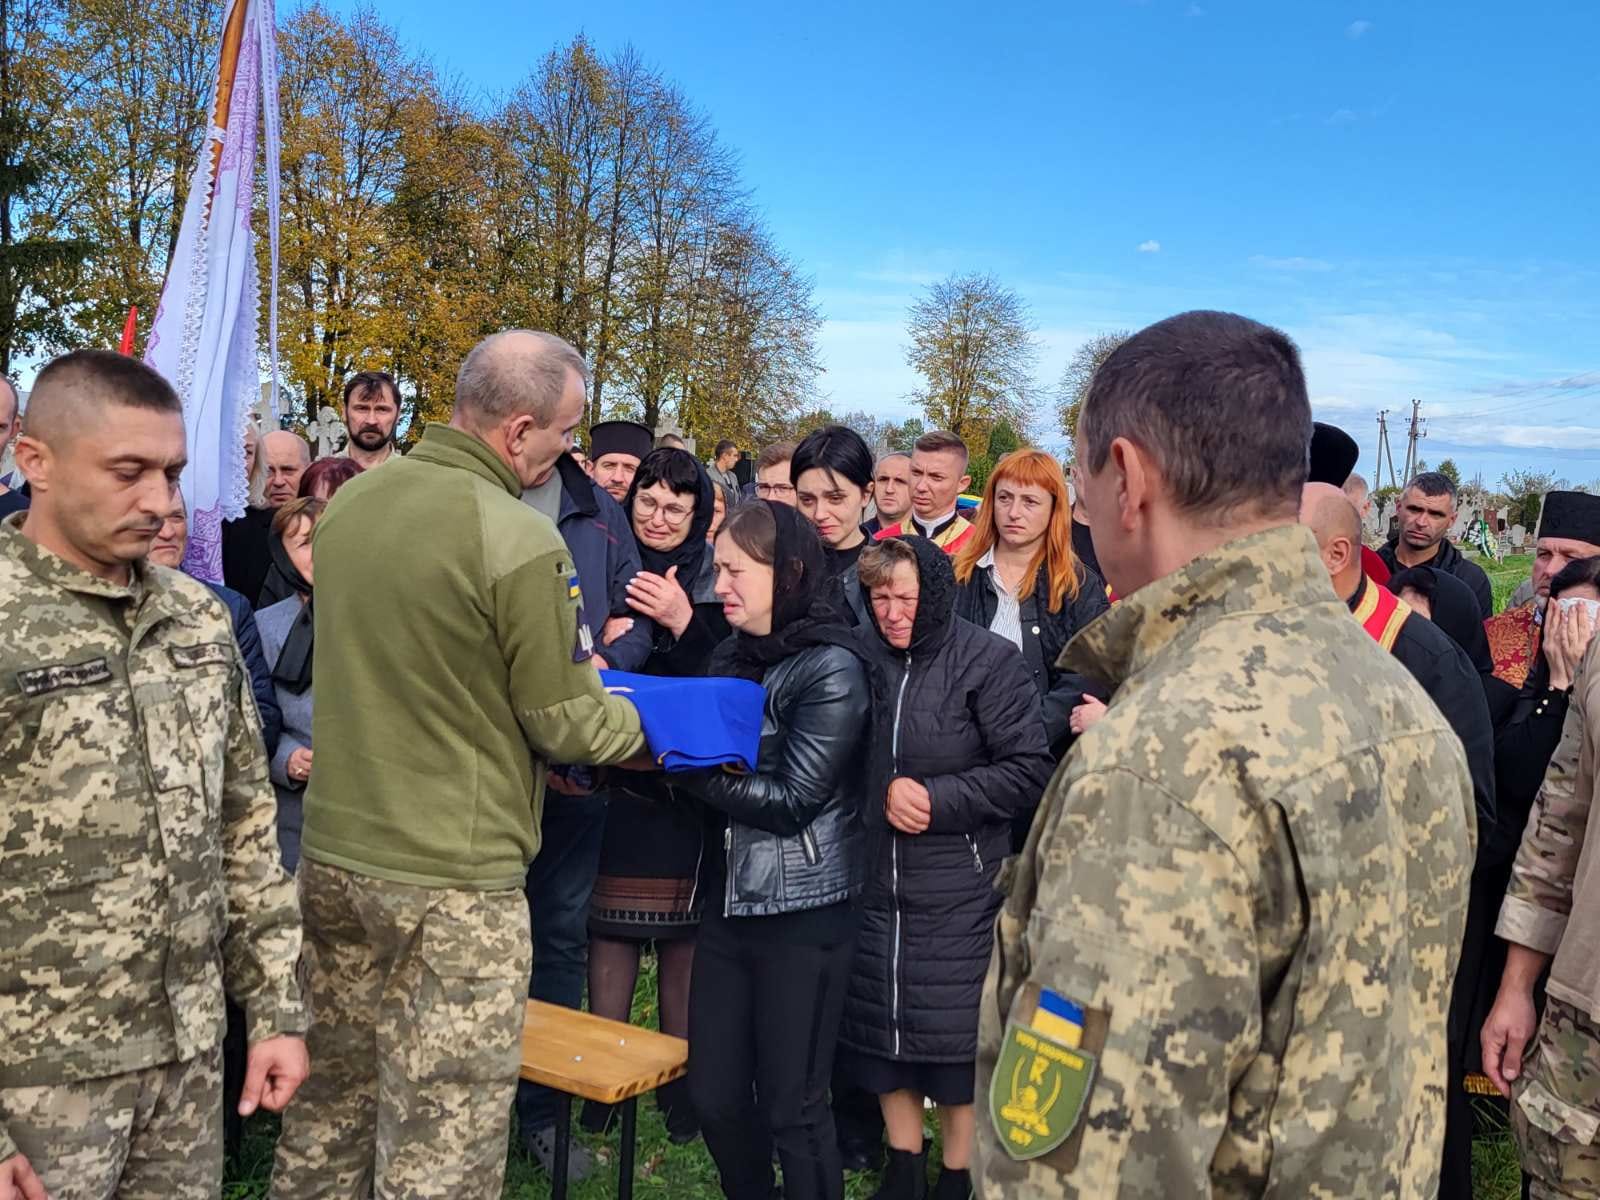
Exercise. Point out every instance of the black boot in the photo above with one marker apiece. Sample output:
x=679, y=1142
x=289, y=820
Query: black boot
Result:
x=905, y=1176
x=952, y=1185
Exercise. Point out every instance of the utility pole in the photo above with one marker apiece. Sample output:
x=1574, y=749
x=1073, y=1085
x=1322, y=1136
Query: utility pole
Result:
x=1412, y=457
x=1384, y=451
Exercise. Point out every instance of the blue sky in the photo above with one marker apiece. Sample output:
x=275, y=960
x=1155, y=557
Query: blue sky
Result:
x=1409, y=189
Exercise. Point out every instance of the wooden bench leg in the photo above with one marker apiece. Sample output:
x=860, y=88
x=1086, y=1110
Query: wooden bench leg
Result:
x=630, y=1132
x=558, y=1177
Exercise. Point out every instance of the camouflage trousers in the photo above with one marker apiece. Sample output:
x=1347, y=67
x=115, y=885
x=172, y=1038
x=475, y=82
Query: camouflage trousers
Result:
x=416, y=998
x=1555, y=1110
x=154, y=1134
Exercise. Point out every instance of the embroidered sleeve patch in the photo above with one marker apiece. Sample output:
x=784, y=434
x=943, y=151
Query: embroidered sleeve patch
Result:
x=207, y=654
x=40, y=681
x=1042, y=1079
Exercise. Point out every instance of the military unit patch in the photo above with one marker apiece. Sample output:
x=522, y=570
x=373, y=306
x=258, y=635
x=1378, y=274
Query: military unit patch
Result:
x=41, y=681
x=1042, y=1079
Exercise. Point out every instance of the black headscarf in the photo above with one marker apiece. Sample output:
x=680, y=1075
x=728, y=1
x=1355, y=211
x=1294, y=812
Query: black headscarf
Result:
x=936, y=597
x=807, y=603
x=293, y=670
x=688, y=555
x=1455, y=610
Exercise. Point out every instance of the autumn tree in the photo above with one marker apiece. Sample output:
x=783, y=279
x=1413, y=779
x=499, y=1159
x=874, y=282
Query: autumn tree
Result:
x=972, y=342
x=1076, y=378
x=39, y=259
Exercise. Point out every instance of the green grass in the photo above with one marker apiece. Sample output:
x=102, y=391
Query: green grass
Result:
x=1506, y=576
x=662, y=1169
x=687, y=1172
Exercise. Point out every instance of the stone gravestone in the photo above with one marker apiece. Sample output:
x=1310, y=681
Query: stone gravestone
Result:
x=1519, y=538
x=667, y=426
x=327, y=433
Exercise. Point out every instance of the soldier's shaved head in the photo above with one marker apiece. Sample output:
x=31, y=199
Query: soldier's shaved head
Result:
x=1328, y=513
x=103, y=452
x=522, y=393
x=71, y=393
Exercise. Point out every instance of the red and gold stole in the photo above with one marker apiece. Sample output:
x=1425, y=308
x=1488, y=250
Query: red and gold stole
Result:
x=1514, y=643
x=1382, y=614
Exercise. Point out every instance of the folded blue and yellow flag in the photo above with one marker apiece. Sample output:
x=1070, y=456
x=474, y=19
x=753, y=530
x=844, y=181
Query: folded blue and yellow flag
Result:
x=693, y=722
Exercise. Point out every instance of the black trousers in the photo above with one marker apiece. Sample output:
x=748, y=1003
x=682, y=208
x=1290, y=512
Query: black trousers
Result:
x=763, y=1021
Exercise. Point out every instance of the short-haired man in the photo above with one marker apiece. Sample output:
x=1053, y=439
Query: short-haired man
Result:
x=286, y=455
x=371, y=412
x=616, y=448
x=561, y=879
x=1427, y=510
x=12, y=497
x=1360, y=495
x=1448, y=676
x=772, y=474
x=1248, y=884
x=722, y=465
x=424, y=810
x=891, y=491
x=938, y=477
x=671, y=441
x=139, y=872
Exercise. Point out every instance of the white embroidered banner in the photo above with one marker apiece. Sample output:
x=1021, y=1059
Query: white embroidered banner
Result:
x=206, y=335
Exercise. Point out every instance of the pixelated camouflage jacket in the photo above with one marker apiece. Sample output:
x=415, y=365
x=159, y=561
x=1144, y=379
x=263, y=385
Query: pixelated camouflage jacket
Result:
x=139, y=865
x=1252, y=876
x=1557, y=861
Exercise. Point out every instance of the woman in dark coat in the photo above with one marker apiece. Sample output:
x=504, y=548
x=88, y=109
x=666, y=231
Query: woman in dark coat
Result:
x=966, y=752
x=781, y=866
x=1018, y=576
x=646, y=889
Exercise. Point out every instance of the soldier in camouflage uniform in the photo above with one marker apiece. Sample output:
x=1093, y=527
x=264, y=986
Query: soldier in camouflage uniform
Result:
x=424, y=802
x=1551, y=917
x=1225, y=953
x=139, y=867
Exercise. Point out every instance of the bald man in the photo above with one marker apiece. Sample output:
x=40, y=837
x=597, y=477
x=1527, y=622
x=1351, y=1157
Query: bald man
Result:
x=424, y=810
x=1448, y=676
x=286, y=456
x=139, y=873
x=247, y=539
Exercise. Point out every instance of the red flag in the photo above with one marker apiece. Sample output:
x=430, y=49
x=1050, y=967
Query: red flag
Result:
x=128, y=330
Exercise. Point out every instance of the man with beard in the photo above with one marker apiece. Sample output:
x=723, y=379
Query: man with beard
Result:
x=1427, y=510
x=616, y=448
x=371, y=412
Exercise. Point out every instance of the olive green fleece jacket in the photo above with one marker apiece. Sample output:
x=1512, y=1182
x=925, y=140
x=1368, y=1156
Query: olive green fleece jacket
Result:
x=449, y=668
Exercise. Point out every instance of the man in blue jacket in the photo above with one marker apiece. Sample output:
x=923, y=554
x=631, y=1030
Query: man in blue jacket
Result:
x=562, y=877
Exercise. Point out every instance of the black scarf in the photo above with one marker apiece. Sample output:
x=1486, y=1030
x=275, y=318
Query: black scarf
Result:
x=1455, y=610
x=689, y=555
x=293, y=670
x=807, y=603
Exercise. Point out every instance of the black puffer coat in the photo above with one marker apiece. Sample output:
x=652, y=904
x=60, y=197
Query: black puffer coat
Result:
x=962, y=717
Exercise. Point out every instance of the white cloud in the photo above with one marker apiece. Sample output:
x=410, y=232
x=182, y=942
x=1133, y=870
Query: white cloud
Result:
x=1344, y=116
x=1356, y=29
x=1150, y=247
x=1195, y=10
x=1527, y=437
x=1295, y=263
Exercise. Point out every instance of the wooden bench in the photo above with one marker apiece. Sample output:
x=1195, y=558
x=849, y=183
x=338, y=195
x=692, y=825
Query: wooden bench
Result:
x=596, y=1059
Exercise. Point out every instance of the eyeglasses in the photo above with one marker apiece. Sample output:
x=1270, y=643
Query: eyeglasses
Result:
x=672, y=514
x=774, y=489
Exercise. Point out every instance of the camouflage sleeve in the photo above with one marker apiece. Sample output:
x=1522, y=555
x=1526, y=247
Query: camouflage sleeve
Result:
x=7, y=1146
x=261, y=947
x=565, y=713
x=1539, y=898
x=1144, y=923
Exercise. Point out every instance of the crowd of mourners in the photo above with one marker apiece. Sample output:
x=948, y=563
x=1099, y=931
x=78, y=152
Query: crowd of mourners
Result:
x=1251, y=888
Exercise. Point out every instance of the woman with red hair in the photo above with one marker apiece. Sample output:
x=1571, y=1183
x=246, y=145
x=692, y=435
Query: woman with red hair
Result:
x=1018, y=577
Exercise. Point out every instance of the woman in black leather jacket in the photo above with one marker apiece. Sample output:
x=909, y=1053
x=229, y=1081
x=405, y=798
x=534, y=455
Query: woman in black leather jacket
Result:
x=964, y=752
x=779, y=931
